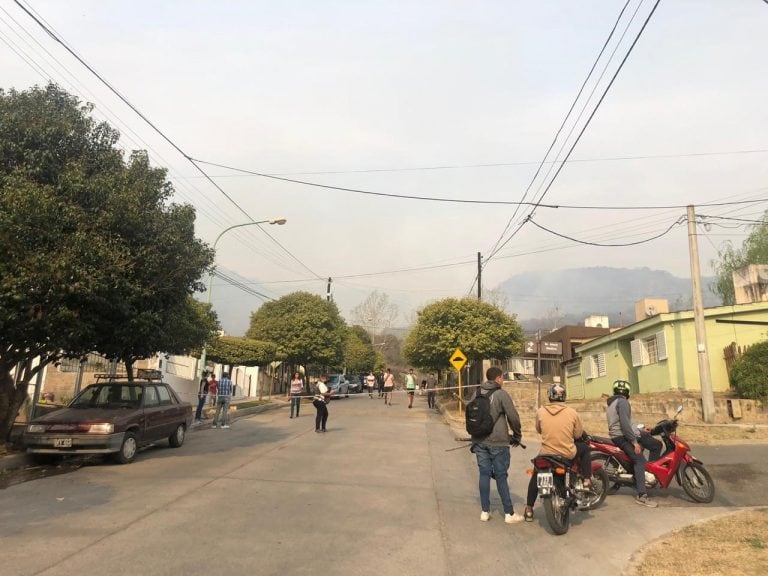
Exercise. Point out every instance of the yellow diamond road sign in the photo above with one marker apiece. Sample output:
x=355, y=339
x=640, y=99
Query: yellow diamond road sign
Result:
x=458, y=359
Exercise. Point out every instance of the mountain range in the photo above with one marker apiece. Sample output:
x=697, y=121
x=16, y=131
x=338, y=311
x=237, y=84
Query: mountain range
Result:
x=547, y=300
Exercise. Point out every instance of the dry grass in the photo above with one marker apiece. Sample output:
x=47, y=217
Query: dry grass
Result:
x=735, y=545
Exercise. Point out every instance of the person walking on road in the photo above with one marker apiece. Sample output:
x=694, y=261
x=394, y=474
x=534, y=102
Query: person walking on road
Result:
x=632, y=442
x=213, y=389
x=202, y=395
x=410, y=386
x=492, y=451
x=320, y=402
x=431, y=387
x=370, y=383
x=297, y=387
x=389, y=386
x=222, y=404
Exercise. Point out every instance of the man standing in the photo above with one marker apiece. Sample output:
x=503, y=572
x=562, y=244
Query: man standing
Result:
x=202, y=394
x=320, y=402
x=492, y=451
x=389, y=386
x=431, y=386
x=370, y=383
x=623, y=434
x=222, y=404
x=410, y=386
x=213, y=388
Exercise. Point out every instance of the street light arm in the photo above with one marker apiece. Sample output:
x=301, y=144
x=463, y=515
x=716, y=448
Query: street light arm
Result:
x=278, y=221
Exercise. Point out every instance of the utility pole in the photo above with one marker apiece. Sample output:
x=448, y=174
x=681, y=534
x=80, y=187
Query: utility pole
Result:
x=479, y=276
x=705, y=376
x=328, y=291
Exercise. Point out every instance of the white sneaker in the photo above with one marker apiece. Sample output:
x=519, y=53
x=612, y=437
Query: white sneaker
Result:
x=485, y=516
x=512, y=518
x=225, y=426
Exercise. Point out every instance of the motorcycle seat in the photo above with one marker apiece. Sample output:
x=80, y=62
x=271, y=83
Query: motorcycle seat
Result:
x=602, y=440
x=567, y=462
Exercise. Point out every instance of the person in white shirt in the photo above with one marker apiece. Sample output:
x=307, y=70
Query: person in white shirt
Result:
x=297, y=386
x=370, y=382
x=320, y=402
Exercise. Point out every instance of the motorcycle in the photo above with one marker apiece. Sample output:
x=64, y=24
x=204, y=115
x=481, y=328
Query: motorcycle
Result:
x=561, y=489
x=676, y=462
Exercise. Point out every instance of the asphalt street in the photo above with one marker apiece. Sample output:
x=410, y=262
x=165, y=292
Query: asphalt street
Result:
x=379, y=493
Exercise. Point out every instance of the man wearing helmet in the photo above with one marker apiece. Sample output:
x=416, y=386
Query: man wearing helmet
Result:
x=561, y=431
x=624, y=435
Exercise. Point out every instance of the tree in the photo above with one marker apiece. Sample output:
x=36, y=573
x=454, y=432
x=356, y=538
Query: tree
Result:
x=754, y=250
x=479, y=329
x=236, y=351
x=359, y=355
x=375, y=312
x=749, y=375
x=79, y=233
x=305, y=327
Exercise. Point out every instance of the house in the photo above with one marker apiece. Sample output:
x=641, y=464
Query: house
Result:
x=659, y=353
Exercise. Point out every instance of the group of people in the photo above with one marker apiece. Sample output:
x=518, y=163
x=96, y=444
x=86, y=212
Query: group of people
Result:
x=561, y=433
x=219, y=393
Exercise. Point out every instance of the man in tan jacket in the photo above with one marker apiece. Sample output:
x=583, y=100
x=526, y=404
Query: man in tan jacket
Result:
x=561, y=431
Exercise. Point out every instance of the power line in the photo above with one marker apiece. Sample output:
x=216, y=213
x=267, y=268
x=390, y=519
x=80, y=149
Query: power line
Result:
x=117, y=93
x=676, y=223
x=586, y=125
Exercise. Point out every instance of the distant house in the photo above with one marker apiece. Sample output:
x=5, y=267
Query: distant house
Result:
x=659, y=353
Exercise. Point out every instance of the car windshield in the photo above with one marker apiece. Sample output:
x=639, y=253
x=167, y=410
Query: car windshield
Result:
x=111, y=396
x=333, y=380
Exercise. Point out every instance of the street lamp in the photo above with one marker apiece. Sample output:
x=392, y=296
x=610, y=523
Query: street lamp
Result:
x=278, y=221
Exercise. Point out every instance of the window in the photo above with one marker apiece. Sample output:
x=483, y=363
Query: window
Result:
x=573, y=369
x=150, y=397
x=649, y=350
x=595, y=365
x=165, y=396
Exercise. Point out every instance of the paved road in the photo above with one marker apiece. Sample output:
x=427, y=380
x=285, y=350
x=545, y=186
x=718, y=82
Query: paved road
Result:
x=378, y=494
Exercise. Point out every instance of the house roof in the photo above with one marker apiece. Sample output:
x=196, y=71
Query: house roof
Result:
x=659, y=320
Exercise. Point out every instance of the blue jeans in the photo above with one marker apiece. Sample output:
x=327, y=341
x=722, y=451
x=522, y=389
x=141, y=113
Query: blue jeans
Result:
x=200, y=404
x=295, y=403
x=493, y=459
x=222, y=406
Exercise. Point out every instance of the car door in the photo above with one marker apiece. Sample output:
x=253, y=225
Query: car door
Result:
x=170, y=413
x=153, y=414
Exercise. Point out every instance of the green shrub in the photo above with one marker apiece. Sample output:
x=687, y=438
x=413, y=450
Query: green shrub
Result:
x=749, y=375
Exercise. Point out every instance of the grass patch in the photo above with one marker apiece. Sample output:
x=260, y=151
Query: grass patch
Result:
x=251, y=404
x=734, y=545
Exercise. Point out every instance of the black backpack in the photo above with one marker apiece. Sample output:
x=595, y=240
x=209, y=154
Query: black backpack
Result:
x=477, y=415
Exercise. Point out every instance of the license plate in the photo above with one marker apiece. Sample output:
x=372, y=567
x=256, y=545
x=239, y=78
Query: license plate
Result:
x=62, y=442
x=544, y=480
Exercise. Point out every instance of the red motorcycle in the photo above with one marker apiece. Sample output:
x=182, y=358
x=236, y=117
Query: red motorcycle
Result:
x=675, y=462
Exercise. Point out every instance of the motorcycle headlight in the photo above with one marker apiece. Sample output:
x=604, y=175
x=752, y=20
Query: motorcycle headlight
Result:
x=36, y=428
x=101, y=429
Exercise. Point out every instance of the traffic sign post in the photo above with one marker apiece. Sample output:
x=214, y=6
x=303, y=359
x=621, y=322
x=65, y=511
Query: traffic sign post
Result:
x=458, y=360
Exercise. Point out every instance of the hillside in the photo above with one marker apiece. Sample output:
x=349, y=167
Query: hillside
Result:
x=549, y=299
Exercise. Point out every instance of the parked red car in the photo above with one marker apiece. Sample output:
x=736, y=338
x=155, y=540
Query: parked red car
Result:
x=113, y=416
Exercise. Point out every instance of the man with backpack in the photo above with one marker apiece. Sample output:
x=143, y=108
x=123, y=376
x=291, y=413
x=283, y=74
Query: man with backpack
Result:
x=489, y=417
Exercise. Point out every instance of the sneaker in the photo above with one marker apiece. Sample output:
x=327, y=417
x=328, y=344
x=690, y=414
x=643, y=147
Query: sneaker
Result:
x=643, y=500
x=528, y=516
x=485, y=516
x=225, y=426
x=318, y=431
x=512, y=518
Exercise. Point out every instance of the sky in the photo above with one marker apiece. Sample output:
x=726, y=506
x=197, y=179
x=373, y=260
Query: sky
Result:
x=457, y=101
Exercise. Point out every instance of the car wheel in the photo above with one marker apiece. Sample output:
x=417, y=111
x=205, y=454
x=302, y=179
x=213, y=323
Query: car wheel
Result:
x=177, y=438
x=128, y=449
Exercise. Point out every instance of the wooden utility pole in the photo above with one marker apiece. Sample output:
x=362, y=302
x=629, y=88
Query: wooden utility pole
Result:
x=479, y=276
x=705, y=376
x=328, y=291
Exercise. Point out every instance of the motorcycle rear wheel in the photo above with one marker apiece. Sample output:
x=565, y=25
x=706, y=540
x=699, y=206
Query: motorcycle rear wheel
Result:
x=558, y=509
x=610, y=465
x=697, y=483
x=599, y=489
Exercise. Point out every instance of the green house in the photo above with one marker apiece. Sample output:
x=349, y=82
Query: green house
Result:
x=659, y=354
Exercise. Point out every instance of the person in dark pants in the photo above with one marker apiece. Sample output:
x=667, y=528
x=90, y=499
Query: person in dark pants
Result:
x=202, y=394
x=320, y=402
x=431, y=387
x=632, y=442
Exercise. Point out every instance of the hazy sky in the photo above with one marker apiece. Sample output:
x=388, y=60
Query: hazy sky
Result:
x=439, y=99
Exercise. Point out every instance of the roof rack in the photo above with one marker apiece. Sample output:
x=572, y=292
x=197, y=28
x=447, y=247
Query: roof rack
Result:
x=142, y=374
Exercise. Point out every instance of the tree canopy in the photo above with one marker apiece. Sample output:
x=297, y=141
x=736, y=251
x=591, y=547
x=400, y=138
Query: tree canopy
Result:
x=233, y=350
x=306, y=328
x=95, y=257
x=754, y=250
x=359, y=355
x=479, y=329
x=749, y=375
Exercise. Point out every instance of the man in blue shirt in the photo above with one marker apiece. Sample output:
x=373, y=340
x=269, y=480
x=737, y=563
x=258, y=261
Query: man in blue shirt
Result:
x=222, y=404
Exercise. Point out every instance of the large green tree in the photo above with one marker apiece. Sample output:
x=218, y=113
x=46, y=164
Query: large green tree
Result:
x=479, y=329
x=754, y=250
x=306, y=328
x=89, y=244
x=359, y=355
x=237, y=351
